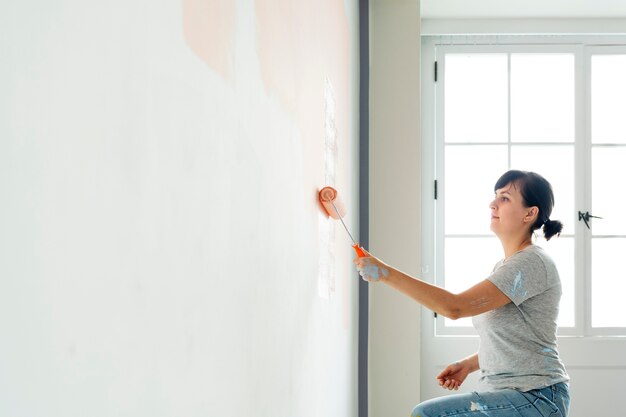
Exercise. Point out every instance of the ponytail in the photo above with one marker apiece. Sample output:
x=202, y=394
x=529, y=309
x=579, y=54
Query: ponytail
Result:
x=551, y=228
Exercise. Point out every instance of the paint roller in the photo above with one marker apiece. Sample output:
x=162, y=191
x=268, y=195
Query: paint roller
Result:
x=335, y=209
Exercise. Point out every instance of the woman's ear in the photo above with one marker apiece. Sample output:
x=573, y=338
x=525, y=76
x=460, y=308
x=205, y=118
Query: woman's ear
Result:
x=531, y=214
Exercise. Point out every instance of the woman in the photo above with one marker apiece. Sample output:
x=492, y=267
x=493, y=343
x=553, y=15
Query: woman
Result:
x=514, y=311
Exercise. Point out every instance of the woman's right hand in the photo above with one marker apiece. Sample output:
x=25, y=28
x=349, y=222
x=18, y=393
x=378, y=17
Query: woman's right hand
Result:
x=453, y=376
x=371, y=268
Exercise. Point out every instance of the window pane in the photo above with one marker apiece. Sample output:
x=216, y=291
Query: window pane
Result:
x=470, y=174
x=608, y=98
x=467, y=262
x=608, y=282
x=608, y=198
x=542, y=98
x=556, y=164
x=476, y=96
x=561, y=249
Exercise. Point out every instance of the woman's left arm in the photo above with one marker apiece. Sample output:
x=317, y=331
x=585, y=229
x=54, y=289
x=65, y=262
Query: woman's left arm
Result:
x=480, y=298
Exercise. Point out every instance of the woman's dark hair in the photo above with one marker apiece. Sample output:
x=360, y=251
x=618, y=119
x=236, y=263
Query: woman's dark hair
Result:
x=536, y=191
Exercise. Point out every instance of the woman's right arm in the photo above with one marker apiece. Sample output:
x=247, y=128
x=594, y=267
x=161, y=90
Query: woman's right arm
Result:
x=480, y=298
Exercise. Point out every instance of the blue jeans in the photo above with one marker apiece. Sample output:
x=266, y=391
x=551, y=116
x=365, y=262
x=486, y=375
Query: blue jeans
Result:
x=552, y=401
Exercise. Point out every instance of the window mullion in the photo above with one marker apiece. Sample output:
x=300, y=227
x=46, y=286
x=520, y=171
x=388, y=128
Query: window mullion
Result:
x=583, y=189
x=509, y=109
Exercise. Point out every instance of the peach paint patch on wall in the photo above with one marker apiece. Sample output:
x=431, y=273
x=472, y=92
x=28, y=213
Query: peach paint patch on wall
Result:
x=304, y=55
x=277, y=33
x=303, y=47
x=300, y=45
x=209, y=29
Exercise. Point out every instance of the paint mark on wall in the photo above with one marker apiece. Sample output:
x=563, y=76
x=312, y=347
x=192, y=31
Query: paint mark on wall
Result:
x=295, y=59
x=326, y=276
x=209, y=30
x=306, y=71
x=330, y=134
x=326, y=264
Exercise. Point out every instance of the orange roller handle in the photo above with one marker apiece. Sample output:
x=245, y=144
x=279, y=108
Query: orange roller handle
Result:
x=359, y=251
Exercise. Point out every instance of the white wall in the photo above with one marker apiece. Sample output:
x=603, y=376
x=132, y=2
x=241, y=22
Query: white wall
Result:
x=395, y=194
x=162, y=252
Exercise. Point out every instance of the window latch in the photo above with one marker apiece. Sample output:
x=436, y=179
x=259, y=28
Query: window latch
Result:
x=585, y=217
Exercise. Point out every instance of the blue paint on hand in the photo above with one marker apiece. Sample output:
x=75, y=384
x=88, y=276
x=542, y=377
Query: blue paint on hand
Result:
x=373, y=272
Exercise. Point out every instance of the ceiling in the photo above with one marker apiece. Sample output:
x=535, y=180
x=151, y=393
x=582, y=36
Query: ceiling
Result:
x=522, y=9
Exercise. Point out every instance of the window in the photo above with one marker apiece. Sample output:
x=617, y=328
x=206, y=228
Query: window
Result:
x=556, y=109
x=608, y=172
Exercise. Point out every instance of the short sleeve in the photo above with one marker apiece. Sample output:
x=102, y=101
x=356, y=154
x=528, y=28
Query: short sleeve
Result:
x=521, y=277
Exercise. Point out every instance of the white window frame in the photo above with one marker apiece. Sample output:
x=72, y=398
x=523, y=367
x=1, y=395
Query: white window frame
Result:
x=583, y=47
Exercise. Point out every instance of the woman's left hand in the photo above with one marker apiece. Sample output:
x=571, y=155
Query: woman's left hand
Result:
x=371, y=268
x=453, y=376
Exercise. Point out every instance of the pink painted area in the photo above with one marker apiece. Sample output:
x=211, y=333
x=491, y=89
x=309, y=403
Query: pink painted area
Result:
x=209, y=29
x=303, y=47
x=300, y=43
x=303, y=50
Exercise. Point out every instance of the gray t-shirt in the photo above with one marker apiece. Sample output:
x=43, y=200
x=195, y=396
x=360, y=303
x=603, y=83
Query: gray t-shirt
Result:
x=518, y=341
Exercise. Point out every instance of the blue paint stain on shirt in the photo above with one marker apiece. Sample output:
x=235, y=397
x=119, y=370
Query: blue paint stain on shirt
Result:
x=518, y=285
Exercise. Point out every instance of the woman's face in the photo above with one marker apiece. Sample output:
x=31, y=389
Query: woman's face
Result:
x=509, y=215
